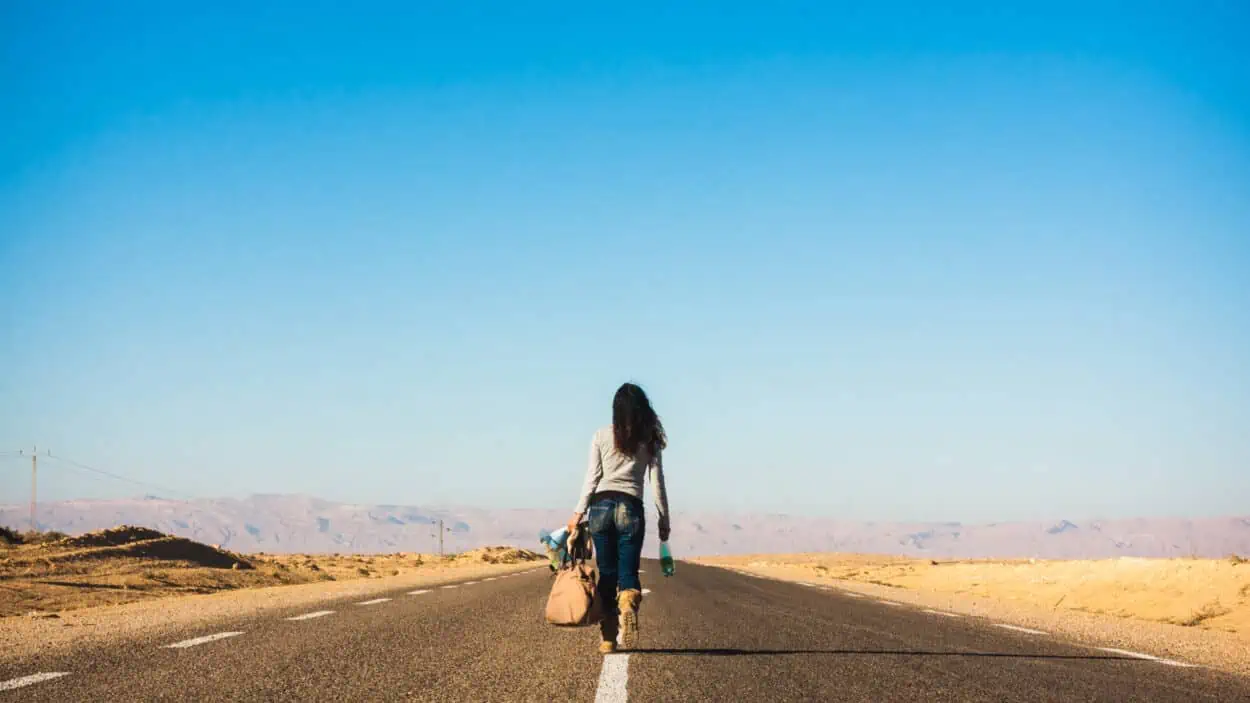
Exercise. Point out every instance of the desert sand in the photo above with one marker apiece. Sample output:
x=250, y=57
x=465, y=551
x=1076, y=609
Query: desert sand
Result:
x=128, y=564
x=1212, y=594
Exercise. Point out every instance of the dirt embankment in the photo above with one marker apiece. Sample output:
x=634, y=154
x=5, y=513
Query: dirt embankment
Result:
x=125, y=564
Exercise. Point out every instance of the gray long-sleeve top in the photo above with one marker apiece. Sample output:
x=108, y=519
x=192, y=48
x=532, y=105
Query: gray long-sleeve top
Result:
x=610, y=470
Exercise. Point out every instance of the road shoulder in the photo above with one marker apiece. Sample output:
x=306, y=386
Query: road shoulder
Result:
x=1216, y=650
x=24, y=637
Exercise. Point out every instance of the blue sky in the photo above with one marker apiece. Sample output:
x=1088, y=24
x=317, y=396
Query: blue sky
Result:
x=880, y=263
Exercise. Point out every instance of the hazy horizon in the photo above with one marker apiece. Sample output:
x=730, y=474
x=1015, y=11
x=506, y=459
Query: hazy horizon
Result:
x=290, y=523
x=882, y=264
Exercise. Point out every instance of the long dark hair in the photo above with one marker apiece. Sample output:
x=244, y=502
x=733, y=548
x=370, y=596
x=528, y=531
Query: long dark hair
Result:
x=635, y=424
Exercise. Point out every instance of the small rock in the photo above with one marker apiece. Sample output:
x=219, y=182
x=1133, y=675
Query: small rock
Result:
x=235, y=566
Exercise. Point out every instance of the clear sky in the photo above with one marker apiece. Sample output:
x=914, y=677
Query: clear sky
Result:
x=870, y=260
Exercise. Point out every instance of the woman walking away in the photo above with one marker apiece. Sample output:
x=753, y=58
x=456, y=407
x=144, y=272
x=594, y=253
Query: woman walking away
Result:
x=611, y=500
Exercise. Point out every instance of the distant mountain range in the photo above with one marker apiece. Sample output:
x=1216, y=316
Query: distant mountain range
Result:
x=293, y=523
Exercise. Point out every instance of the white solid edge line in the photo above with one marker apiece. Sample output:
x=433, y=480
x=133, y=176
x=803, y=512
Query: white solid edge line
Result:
x=890, y=602
x=375, y=601
x=1127, y=653
x=1146, y=657
x=613, y=679
x=310, y=616
x=1016, y=628
x=944, y=614
x=419, y=593
x=852, y=594
x=32, y=679
x=201, y=640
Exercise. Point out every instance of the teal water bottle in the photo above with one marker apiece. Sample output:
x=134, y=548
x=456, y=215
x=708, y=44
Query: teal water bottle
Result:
x=666, y=559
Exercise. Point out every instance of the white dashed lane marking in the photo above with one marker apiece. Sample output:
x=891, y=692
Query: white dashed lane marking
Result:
x=850, y=594
x=310, y=616
x=375, y=601
x=1147, y=657
x=1025, y=630
x=33, y=679
x=451, y=585
x=891, y=603
x=613, y=679
x=419, y=593
x=492, y=578
x=202, y=640
x=471, y=583
x=939, y=612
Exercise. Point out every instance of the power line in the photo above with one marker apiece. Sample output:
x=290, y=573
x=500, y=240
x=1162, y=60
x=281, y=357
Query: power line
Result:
x=85, y=467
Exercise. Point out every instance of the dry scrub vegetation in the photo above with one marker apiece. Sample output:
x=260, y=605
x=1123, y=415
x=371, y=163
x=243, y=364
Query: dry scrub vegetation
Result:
x=42, y=574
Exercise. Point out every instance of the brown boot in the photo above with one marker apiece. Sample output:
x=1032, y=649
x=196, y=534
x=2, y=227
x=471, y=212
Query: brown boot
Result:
x=608, y=632
x=627, y=602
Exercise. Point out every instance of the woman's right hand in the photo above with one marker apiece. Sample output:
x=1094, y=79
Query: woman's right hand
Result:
x=664, y=530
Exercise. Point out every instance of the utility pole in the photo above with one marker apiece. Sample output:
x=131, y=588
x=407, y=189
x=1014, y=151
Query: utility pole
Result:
x=441, y=530
x=34, y=471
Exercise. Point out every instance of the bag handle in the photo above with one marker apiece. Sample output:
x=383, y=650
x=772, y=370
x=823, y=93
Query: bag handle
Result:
x=578, y=549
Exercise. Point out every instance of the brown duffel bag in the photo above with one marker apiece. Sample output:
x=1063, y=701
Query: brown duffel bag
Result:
x=573, y=601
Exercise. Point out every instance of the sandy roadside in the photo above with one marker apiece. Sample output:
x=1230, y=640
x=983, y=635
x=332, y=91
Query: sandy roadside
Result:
x=23, y=637
x=1225, y=651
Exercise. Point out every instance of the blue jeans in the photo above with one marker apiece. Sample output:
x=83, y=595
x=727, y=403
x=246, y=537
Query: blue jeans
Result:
x=617, y=526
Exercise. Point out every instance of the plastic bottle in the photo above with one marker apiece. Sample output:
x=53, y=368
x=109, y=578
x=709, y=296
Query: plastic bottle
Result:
x=666, y=559
x=559, y=536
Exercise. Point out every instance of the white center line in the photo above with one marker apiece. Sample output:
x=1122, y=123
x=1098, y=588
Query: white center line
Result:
x=375, y=601
x=939, y=612
x=418, y=593
x=34, y=678
x=470, y=583
x=202, y=640
x=451, y=585
x=1021, y=629
x=613, y=679
x=310, y=616
x=851, y=594
x=492, y=578
x=890, y=602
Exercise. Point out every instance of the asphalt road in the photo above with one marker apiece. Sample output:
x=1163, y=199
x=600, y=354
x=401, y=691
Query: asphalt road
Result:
x=707, y=634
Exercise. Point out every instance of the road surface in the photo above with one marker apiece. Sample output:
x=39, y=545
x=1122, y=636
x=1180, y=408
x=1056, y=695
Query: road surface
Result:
x=707, y=634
